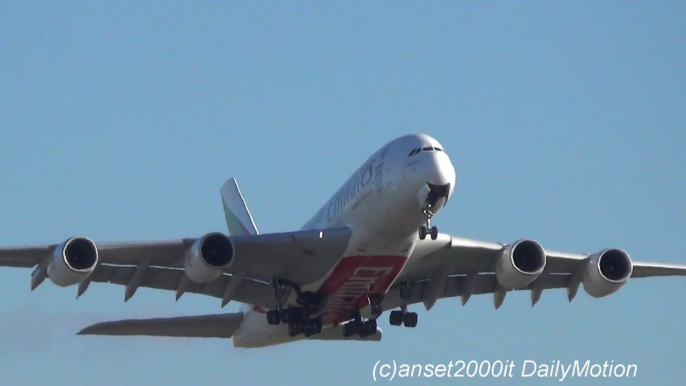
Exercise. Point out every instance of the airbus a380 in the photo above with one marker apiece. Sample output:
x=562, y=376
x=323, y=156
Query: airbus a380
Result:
x=370, y=249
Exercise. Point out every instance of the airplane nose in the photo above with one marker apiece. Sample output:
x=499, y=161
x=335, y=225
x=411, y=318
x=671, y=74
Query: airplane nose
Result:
x=438, y=178
x=440, y=172
x=431, y=169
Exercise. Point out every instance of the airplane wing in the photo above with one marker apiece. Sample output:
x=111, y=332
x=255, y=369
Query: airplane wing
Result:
x=451, y=266
x=301, y=257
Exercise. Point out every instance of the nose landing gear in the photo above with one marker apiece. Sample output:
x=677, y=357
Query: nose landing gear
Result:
x=435, y=195
x=428, y=229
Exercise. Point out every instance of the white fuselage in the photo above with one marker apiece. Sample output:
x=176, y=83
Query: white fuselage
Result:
x=382, y=204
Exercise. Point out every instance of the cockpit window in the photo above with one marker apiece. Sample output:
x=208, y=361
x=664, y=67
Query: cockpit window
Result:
x=420, y=149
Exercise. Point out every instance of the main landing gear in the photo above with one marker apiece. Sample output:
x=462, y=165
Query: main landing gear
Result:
x=398, y=318
x=299, y=319
x=357, y=326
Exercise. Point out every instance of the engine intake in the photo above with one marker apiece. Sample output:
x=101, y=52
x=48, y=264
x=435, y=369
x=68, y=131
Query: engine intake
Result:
x=606, y=272
x=615, y=265
x=520, y=264
x=208, y=256
x=72, y=261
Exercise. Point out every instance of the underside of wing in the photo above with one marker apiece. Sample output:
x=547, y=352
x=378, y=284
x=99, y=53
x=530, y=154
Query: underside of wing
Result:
x=227, y=267
x=24, y=257
x=225, y=287
x=465, y=286
x=657, y=269
x=301, y=257
x=451, y=266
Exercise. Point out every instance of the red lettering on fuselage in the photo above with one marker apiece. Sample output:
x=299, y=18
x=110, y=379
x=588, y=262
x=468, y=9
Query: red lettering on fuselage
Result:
x=354, y=278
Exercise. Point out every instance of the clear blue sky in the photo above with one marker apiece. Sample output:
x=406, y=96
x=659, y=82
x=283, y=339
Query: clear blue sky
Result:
x=565, y=121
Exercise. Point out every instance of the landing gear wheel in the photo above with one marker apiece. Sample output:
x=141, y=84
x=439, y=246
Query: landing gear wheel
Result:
x=368, y=328
x=312, y=327
x=422, y=232
x=348, y=330
x=291, y=330
x=410, y=319
x=273, y=317
x=434, y=233
x=396, y=318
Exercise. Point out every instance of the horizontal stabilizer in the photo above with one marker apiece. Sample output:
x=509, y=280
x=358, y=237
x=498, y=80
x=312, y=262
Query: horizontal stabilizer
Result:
x=337, y=334
x=204, y=326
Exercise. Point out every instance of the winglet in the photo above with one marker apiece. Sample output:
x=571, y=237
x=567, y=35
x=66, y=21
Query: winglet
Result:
x=238, y=217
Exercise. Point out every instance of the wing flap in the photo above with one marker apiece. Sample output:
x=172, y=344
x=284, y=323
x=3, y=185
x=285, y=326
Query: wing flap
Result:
x=458, y=285
x=248, y=291
x=205, y=326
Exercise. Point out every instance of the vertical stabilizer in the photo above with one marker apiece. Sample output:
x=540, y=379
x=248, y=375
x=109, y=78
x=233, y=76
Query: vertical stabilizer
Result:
x=238, y=217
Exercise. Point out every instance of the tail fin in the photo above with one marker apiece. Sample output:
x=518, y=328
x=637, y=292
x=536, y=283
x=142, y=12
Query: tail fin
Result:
x=238, y=217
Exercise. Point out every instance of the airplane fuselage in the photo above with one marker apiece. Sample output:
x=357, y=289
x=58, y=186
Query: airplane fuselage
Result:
x=382, y=204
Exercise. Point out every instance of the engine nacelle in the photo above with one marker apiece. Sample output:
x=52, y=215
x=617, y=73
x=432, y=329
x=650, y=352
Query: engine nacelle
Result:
x=606, y=272
x=72, y=261
x=520, y=264
x=208, y=256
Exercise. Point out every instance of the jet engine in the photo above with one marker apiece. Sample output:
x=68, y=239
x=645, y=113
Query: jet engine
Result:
x=208, y=256
x=606, y=272
x=520, y=264
x=72, y=261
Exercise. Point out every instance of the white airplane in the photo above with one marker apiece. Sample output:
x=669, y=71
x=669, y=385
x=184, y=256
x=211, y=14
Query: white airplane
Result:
x=371, y=248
